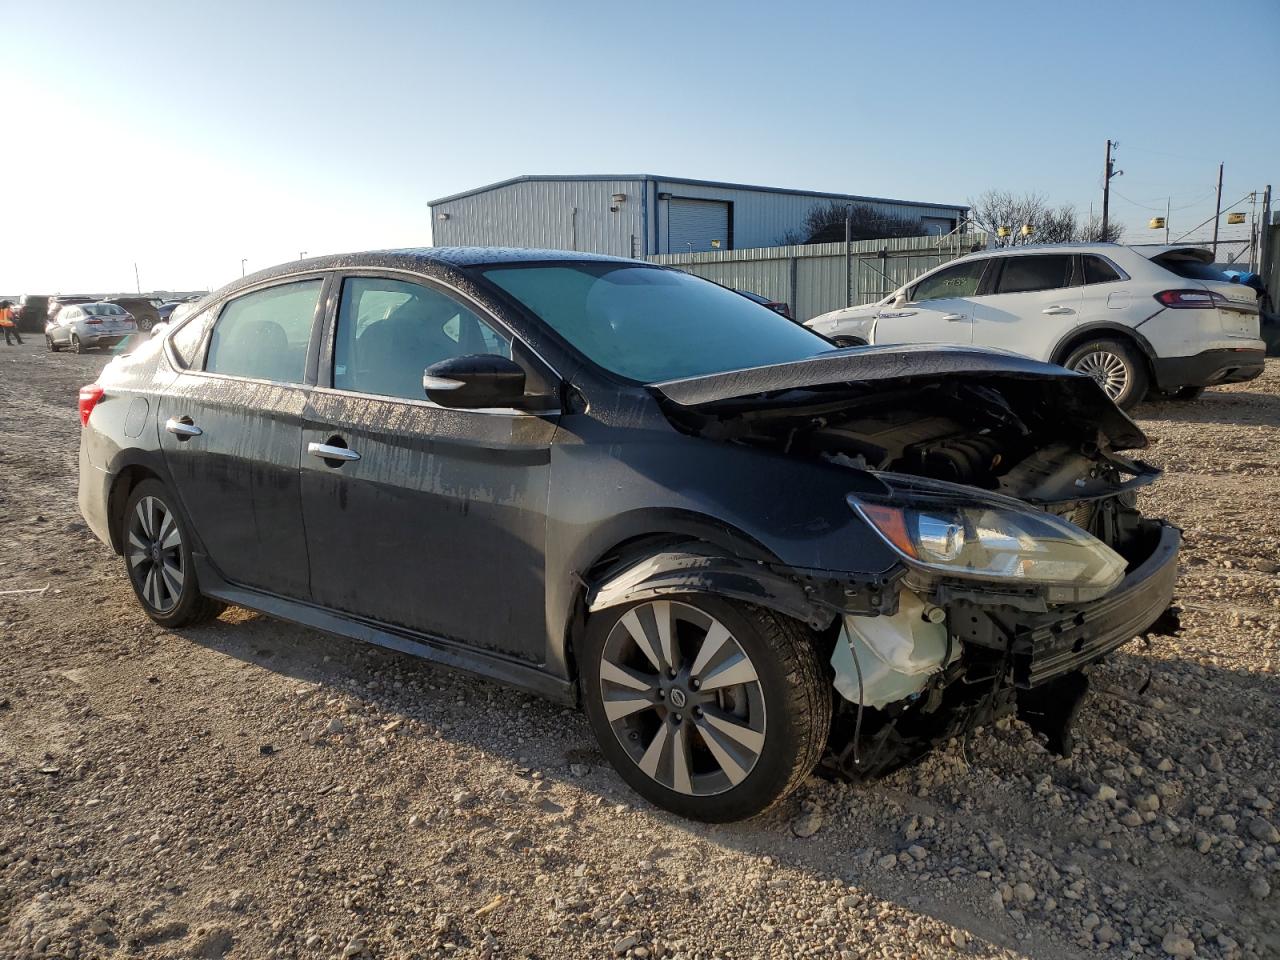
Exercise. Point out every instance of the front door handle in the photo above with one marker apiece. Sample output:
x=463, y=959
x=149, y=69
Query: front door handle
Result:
x=897, y=313
x=955, y=317
x=182, y=428
x=328, y=452
x=1056, y=310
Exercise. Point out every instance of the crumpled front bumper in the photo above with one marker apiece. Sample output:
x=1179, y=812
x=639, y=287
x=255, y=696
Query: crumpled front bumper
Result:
x=1047, y=646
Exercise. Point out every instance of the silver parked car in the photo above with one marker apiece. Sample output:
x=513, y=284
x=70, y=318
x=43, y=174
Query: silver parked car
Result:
x=85, y=325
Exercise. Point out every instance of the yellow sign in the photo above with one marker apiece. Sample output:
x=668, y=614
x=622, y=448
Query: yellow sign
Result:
x=716, y=244
x=1028, y=229
x=1157, y=223
x=1235, y=218
x=1003, y=231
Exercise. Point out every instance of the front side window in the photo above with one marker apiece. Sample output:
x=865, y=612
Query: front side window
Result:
x=265, y=334
x=649, y=324
x=390, y=331
x=960, y=280
x=1049, y=271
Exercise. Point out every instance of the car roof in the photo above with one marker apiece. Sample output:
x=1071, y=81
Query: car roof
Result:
x=419, y=258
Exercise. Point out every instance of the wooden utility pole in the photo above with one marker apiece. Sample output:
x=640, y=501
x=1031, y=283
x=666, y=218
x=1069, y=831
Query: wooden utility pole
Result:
x=1106, y=192
x=1217, y=216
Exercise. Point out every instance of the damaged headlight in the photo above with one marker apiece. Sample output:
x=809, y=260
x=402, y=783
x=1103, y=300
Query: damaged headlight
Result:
x=990, y=542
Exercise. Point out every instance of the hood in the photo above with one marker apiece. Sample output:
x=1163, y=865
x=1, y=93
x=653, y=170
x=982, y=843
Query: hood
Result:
x=1064, y=402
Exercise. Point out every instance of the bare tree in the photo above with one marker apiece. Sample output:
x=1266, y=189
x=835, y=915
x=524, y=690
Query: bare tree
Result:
x=825, y=224
x=1001, y=208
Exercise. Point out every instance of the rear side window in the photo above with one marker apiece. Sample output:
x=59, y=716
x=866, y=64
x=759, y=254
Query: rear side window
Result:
x=1097, y=270
x=1027, y=274
x=187, y=338
x=960, y=280
x=265, y=334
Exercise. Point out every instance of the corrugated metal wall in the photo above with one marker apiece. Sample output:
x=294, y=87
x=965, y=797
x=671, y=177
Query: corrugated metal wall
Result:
x=541, y=213
x=811, y=278
x=762, y=218
x=555, y=214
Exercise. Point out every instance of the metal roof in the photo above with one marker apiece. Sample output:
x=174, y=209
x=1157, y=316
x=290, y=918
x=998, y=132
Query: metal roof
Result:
x=699, y=183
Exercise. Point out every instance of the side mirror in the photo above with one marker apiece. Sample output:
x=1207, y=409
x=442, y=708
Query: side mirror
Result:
x=900, y=298
x=479, y=380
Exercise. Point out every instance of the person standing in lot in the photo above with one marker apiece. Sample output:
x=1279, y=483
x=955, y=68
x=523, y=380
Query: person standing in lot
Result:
x=8, y=323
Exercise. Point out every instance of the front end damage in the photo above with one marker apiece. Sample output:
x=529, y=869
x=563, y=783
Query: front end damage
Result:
x=1000, y=486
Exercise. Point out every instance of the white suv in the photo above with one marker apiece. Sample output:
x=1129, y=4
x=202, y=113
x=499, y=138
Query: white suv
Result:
x=1136, y=319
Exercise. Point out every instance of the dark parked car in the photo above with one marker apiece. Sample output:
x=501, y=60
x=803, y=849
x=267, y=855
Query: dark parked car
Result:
x=33, y=312
x=775, y=305
x=55, y=304
x=743, y=551
x=142, y=310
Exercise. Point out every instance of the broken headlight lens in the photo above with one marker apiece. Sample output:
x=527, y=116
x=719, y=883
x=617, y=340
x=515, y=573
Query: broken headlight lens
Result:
x=992, y=542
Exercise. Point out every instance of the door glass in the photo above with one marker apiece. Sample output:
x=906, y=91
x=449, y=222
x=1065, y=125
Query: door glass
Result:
x=960, y=280
x=1097, y=270
x=265, y=334
x=390, y=331
x=1042, y=272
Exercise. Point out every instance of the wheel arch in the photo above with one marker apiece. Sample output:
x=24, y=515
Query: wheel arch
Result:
x=1095, y=331
x=126, y=480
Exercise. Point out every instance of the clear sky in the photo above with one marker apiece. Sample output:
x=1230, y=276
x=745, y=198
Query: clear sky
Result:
x=185, y=136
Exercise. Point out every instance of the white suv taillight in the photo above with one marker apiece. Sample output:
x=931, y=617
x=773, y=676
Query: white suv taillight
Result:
x=89, y=397
x=1190, y=299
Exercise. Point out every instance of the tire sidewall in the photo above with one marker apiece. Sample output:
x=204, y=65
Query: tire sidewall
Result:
x=191, y=598
x=77, y=346
x=770, y=774
x=1136, y=389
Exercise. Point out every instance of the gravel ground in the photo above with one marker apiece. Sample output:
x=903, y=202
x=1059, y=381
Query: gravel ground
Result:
x=252, y=789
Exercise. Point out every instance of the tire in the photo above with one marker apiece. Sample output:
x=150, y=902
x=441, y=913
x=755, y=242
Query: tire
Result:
x=76, y=345
x=48, y=342
x=849, y=341
x=1117, y=366
x=772, y=693
x=149, y=522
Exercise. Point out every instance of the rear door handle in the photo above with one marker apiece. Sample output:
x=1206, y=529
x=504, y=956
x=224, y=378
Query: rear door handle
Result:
x=327, y=452
x=182, y=428
x=1056, y=310
x=955, y=317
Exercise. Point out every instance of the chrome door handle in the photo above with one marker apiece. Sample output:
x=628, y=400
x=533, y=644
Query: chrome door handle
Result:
x=1056, y=310
x=182, y=428
x=897, y=313
x=955, y=317
x=326, y=452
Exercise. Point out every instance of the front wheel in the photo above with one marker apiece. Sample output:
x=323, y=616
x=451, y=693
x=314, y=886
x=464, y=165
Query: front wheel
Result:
x=48, y=342
x=713, y=709
x=157, y=553
x=1117, y=368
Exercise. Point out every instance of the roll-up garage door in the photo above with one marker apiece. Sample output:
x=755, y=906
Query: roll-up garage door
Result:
x=693, y=224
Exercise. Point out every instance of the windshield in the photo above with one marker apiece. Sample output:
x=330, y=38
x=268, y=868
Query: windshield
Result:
x=650, y=324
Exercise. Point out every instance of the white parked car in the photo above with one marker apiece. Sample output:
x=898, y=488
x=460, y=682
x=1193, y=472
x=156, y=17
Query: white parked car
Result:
x=85, y=325
x=1160, y=319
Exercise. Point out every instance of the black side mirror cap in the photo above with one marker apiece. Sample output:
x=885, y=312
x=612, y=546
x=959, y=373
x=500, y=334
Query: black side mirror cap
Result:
x=476, y=381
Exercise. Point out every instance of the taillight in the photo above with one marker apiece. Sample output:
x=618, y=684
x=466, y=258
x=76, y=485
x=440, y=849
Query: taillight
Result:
x=1190, y=299
x=89, y=397
x=93, y=320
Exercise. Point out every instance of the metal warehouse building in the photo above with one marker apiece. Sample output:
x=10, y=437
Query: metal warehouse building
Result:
x=639, y=215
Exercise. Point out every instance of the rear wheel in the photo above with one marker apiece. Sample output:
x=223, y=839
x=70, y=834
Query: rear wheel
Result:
x=76, y=345
x=1117, y=368
x=157, y=554
x=712, y=709
x=48, y=342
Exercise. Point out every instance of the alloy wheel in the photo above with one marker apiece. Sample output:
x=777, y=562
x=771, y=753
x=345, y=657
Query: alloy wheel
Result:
x=1109, y=370
x=683, y=698
x=155, y=554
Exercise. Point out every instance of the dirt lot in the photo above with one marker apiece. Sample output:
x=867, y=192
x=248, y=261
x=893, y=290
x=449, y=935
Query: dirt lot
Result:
x=253, y=789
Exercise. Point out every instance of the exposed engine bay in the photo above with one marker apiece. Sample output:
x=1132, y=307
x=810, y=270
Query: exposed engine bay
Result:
x=946, y=654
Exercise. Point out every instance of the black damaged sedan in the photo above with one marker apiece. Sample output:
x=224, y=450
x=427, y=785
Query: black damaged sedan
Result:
x=743, y=551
